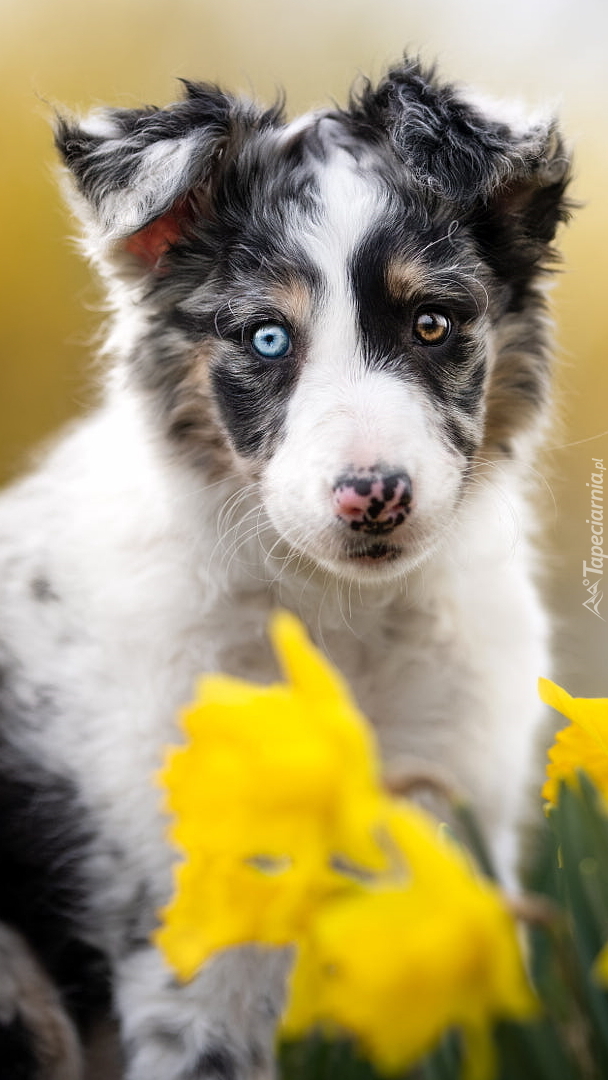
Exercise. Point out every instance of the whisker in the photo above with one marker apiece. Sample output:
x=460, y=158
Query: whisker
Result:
x=489, y=462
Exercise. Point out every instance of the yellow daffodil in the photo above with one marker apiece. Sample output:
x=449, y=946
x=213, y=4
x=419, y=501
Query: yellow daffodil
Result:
x=272, y=781
x=289, y=838
x=583, y=745
x=399, y=966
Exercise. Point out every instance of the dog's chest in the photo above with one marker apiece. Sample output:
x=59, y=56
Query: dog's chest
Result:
x=405, y=666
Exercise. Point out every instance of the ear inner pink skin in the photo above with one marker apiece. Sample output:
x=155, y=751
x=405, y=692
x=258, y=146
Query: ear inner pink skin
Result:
x=150, y=243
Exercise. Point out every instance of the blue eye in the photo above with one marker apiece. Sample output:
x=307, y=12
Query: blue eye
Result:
x=271, y=340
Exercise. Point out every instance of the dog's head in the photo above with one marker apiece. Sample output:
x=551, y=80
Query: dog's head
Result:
x=347, y=306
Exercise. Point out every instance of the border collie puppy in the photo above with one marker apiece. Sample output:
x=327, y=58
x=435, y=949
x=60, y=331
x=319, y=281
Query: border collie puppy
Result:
x=329, y=367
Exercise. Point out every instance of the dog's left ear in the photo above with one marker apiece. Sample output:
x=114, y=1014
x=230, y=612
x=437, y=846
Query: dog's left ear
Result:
x=141, y=177
x=486, y=165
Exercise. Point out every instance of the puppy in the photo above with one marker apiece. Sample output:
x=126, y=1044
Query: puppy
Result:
x=329, y=366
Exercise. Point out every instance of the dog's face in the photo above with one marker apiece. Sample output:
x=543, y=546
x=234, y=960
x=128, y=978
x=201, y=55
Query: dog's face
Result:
x=346, y=306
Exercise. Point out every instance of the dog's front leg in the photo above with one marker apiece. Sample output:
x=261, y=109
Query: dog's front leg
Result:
x=220, y=1026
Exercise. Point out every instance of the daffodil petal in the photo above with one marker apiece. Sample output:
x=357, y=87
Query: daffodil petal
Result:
x=555, y=696
x=589, y=713
x=582, y=746
x=305, y=667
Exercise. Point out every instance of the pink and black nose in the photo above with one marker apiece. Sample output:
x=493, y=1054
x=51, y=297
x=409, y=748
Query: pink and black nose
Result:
x=374, y=501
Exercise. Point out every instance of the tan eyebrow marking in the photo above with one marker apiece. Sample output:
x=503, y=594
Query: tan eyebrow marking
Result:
x=405, y=280
x=294, y=299
x=415, y=281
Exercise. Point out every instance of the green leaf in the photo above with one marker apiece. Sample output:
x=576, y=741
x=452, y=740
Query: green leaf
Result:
x=474, y=838
x=581, y=830
x=534, y=1052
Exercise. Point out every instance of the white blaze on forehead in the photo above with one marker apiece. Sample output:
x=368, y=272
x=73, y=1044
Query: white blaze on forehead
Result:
x=350, y=201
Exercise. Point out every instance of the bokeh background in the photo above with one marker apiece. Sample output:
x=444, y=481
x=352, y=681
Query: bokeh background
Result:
x=125, y=52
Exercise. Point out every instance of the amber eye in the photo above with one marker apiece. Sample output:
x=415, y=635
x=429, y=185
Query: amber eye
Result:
x=431, y=327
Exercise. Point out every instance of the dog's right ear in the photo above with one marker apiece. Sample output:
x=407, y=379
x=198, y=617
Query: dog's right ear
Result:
x=141, y=176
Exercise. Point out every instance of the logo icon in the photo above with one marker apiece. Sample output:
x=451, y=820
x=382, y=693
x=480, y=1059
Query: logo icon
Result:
x=594, y=600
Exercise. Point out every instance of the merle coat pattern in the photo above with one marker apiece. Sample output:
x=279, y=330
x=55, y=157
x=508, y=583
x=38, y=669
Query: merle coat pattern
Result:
x=328, y=369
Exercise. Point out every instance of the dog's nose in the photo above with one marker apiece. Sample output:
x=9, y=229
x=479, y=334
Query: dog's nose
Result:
x=372, y=500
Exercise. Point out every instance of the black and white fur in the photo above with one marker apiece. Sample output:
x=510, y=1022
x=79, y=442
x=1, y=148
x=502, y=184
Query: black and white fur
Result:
x=158, y=535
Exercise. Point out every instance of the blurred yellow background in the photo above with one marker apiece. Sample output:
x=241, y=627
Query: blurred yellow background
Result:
x=126, y=52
